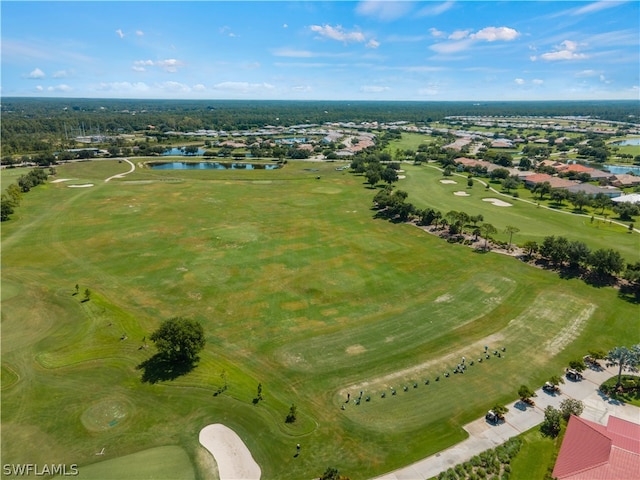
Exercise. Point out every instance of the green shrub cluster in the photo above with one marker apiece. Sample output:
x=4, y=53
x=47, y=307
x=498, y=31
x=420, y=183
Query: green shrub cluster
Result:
x=490, y=464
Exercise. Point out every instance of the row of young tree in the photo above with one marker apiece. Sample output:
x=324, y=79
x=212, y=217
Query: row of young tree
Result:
x=12, y=197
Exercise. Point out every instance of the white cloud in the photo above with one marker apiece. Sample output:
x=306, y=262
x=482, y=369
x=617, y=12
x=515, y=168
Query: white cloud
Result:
x=436, y=33
x=60, y=74
x=567, y=50
x=374, y=89
x=537, y=81
x=243, y=87
x=123, y=87
x=199, y=88
x=36, y=73
x=139, y=33
x=587, y=73
x=492, y=34
x=463, y=39
x=519, y=81
x=432, y=11
x=429, y=90
x=385, y=11
x=452, y=47
x=373, y=43
x=338, y=33
x=285, y=26
x=291, y=52
x=40, y=88
x=459, y=35
x=120, y=33
x=595, y=7
x=59, y=88
x=301, y=88
x=604, y=79
x=169, y=65
x=227, y=31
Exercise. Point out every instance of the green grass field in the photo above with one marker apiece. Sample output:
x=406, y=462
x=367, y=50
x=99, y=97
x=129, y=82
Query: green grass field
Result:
x=299, y=289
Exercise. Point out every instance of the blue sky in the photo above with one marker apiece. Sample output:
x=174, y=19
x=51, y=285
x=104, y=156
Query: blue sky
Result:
x=338, y=50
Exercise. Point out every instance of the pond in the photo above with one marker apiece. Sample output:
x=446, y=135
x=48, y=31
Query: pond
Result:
x=621, y=169
x=630, y=141
x=212, y=166
x=179, y=151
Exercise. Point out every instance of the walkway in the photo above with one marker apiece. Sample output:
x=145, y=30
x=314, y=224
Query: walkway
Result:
x=121, y=175
x=519, y=419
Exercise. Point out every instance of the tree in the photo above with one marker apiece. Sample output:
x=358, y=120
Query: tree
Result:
x=577, y=252
x=373, y=176
x=500, y=410
x=626, y=211
x=601, y=201
x=623, y=358
x=6, y=208
x=559, y=195
x=510, y=229
x=525, y=393
x=580, y=200
x=487, y=230
x=389, y=175
x=292, y=415
x=552, y=420
x=542, y=188
x=570, y=406
x=577, y=365
x=510, y=183
x=179, y=339
x=555, y=249
x=606, y=261
x=530, y=247
x=556, y=380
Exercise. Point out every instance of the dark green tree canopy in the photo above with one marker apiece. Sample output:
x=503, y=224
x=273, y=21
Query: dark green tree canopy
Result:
x=180, y=339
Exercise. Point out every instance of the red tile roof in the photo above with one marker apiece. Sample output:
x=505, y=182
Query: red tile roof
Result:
x=591, y=451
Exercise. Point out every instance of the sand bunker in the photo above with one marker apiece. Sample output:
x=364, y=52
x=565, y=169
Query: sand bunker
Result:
x=84, y=185
x=461, y=194
x=496, y=202
x=231, y=454
x=61, y=180
x=400, y=177
x=448, y=182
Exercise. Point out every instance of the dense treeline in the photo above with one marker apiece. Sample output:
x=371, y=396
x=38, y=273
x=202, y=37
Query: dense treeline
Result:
x=11, y=198
x=30, y=124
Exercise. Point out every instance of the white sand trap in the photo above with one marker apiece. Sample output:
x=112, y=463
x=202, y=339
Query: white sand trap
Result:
x=461, y=194
x=232, y=455
x=61, y=180
x=84, y=185
x=400, y=177
x=448, y=182
x=496, y=202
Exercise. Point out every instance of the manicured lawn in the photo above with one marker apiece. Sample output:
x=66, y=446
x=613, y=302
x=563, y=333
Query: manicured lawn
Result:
x=299, y=289
x=169, y=462
x=426, y=190
x=536, y=456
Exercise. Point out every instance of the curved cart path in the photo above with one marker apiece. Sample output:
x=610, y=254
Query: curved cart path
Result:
x=519, y=419
x=121, y=175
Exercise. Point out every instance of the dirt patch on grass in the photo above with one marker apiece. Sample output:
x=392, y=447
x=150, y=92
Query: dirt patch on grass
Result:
x=355, y=349
x=447, y=297
x=292, y=306
x=569, y=332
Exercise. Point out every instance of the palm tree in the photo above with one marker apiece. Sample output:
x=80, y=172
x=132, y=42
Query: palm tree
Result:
x=487, y=230
x=624, y=358
x=510, y=229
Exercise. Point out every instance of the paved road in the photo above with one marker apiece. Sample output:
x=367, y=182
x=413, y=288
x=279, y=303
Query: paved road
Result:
x=483, y=436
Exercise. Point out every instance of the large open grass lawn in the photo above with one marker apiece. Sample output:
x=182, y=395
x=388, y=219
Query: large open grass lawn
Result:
x=299, y=289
